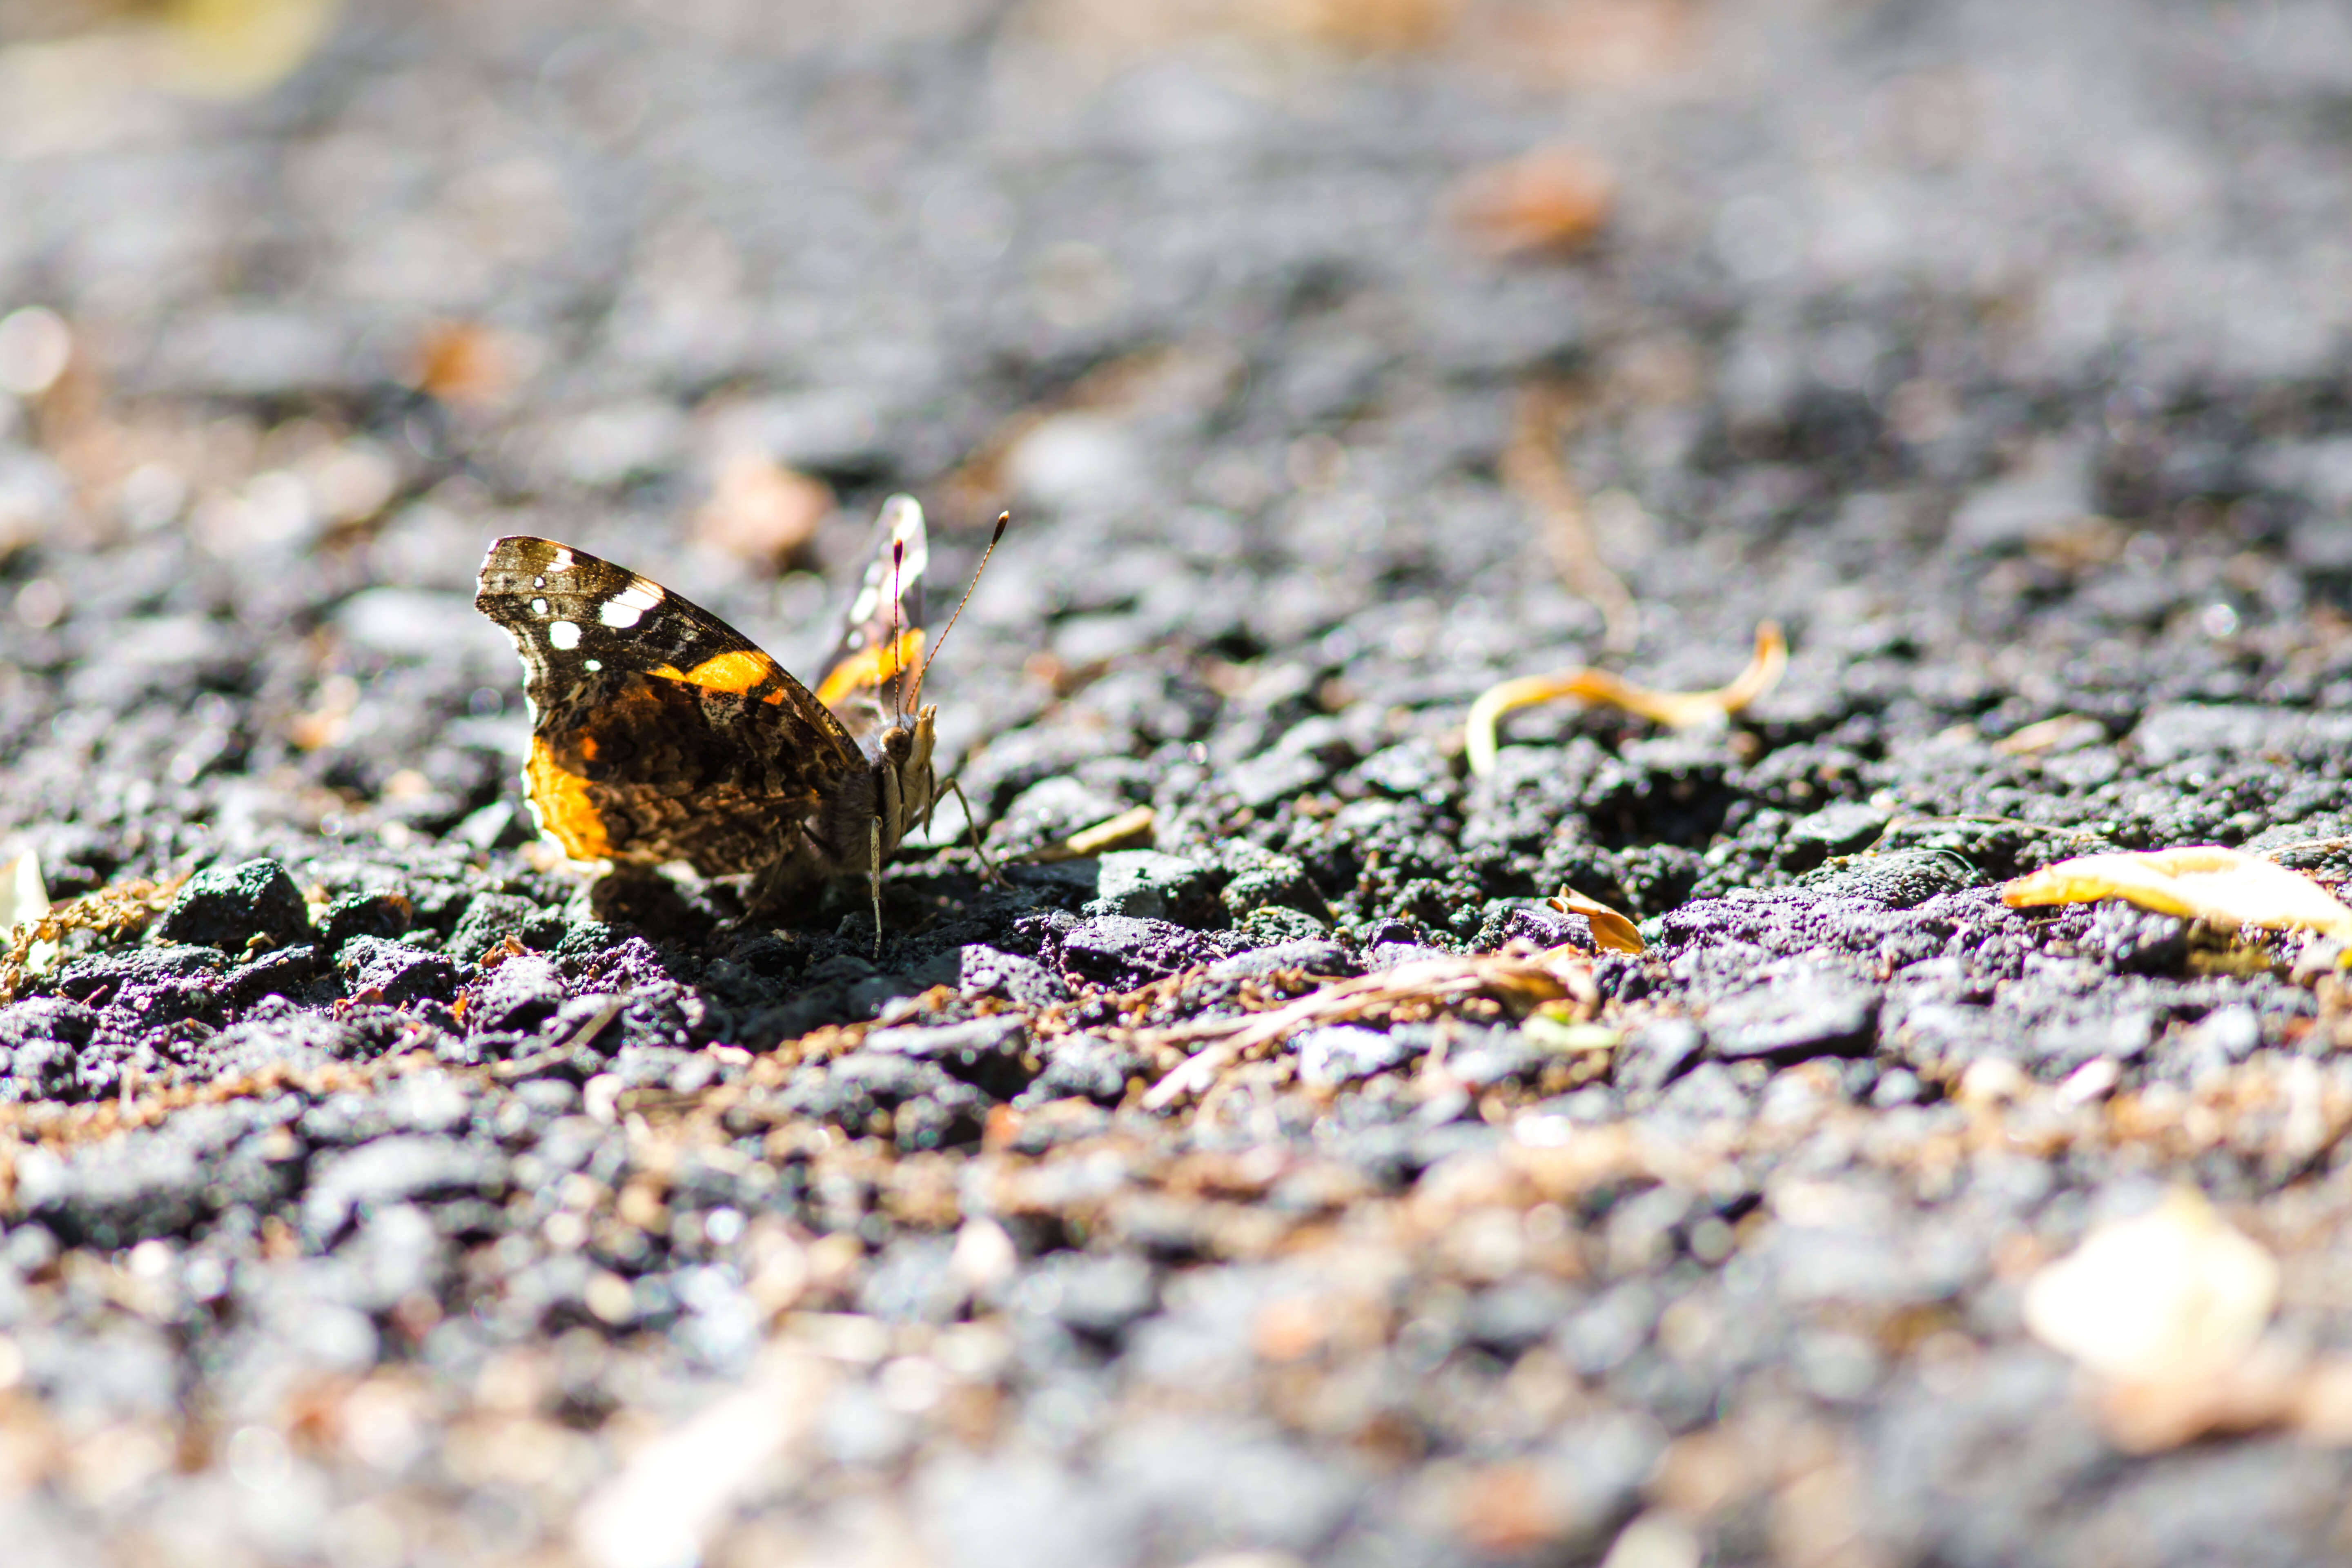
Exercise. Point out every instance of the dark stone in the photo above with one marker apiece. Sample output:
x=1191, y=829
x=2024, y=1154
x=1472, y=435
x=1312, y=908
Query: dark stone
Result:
x=41, y=1042
x=1085, y=1066
x=1656, y=1054
x=1316, y=955
x=1261, y=878
x=1275, y=775
x=284, y=973
x=1845, y=829
x=415, y=1167
x=1342, y=1053
x=385, y=915
x=1799, y=1014
x=1519, y=920
x=1123, y=951
x=229, y=906
x=1509, y=1316
x=392, y=972
x=1152, y=886
x=490, y=917
x=1096, y=1297
x=521, y=992
x=1901, y=879
x=986, y=971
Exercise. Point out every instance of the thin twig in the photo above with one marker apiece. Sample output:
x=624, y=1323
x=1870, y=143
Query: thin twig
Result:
x=1520, y=977
x=1532, y=470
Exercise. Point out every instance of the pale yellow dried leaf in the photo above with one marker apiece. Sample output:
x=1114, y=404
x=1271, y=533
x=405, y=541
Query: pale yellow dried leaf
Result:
x=235, y=48
x=1676, y=709
x=2199, y=881
x=1128, y=830
x=2172, y=1293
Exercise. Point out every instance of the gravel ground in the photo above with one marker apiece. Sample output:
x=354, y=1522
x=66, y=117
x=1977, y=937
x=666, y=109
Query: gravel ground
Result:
x=386, y=1193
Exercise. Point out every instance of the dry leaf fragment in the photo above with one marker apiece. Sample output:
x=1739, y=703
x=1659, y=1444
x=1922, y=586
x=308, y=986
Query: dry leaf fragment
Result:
x=467, y=364
x=1676, y=710
x=2172, y=1293
x=1125, y=831
x=235, y=48
x=1551, y=199
x=2205, y=881
x=1611, y=929
x=2066, y=732
x=761, y=512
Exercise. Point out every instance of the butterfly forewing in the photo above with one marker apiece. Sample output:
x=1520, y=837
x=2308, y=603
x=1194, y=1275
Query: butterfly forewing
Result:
x=659, y=732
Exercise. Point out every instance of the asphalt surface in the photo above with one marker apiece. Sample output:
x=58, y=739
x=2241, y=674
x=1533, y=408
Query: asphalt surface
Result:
x=378, y=1190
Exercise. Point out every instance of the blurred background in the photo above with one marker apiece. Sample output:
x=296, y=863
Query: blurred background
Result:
x=1420, y=341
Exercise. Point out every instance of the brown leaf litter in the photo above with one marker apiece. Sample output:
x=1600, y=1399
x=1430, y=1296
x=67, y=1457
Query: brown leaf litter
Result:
x=1676, y=709
x=1554, y=199
x=1518, y=977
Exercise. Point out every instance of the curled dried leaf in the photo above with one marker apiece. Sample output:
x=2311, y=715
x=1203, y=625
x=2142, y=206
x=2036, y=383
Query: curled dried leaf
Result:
x=2197, y=882
x=1611, y=929
x=1676, y=709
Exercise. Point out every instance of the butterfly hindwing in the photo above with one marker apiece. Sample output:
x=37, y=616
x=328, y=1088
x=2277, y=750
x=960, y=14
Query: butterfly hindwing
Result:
x=881, y=640
x=659, y=732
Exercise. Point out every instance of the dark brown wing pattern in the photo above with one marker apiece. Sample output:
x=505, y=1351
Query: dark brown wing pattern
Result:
x=658, y=732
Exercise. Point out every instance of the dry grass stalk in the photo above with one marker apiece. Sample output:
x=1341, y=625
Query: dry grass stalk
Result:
x=1532, y=470
x=1128, y=830
x=1676, y=709
x=1518, y=978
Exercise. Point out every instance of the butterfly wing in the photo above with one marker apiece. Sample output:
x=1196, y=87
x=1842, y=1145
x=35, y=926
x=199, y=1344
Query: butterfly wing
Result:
x=658, y=732
x=883, y=634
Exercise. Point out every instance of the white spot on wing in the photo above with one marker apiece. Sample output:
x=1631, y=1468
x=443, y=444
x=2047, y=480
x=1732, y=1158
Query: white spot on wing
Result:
x=616, y=613
x=563, y=635
x=562, y=560
x=539, y=606
x=639, y=595
x=592, y=664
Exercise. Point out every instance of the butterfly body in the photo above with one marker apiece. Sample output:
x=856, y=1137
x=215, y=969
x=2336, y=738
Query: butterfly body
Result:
x=660, y=733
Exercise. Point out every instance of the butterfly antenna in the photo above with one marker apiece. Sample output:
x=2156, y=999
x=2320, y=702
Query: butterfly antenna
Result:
x=1003, y=521
x=897, y=608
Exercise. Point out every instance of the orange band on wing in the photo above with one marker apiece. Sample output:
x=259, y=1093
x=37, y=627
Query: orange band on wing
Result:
x=564, y=810
x=738, y=671
x=872, y=668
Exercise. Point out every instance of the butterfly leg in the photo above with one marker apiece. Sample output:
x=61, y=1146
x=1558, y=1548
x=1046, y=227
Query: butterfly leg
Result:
x=971, y=826
x=874, y=878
